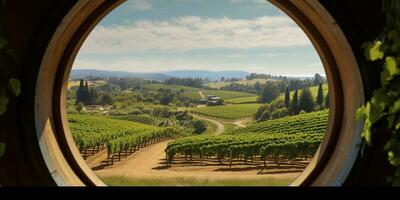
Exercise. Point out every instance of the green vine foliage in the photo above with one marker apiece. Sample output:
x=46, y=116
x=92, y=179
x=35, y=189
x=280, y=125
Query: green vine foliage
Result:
x=9, y=85
x=385, y=102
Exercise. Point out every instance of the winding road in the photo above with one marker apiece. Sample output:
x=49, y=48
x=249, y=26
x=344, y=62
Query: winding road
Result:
x=220, y=127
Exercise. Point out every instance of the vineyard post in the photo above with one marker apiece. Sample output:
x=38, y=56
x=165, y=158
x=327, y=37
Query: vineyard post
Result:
x=201, y=157
x=230, y=159
x=265, y=162
x=108, y=156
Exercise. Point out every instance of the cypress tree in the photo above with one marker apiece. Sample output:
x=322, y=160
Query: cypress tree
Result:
x=80, y=93
x=287, y=97
x=327, y=103
x=294, y=107
x=306, y=100
x=86, y=93
x=320, y=96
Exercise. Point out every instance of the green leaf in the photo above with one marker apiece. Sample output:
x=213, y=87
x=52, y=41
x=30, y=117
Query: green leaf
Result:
x=396, y=107
x=390, y=70
x=374, y=108
x=3, y=102
x=15, y=86
x=360, y=114
x=391, y=119
x=373, y=51
x=391, y=66
x=2, y=148
x=3, y=43
x=367, y=133
x=393, y=159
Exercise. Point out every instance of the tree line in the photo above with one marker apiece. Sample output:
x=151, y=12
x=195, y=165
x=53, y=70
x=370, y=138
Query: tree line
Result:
x=302, y=102
x=90, y=96
x=279, y=83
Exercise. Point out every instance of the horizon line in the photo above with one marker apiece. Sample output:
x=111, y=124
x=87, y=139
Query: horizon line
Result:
x=296, y=75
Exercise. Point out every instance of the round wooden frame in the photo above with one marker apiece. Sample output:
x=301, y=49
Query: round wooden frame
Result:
x=329, y=166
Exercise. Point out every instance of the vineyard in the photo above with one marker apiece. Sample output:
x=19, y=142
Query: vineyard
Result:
x=314, y=122
x=241, y=100
x=189, y=92
x=147, y=119
x=233, y=111
x=245, y=147
x=287, y=138
x=93, y=133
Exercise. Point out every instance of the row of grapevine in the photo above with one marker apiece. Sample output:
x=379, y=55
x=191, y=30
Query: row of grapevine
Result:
x=147, y=119
x=247, y=145
x=92, y=133
x=289, y=137
x=313, y=122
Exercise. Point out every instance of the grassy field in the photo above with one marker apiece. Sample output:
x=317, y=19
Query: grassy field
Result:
x=188, y=91
x=219, y=84
x=233, y=111
x=228, y=94
x=241, y=100
x=186, y=181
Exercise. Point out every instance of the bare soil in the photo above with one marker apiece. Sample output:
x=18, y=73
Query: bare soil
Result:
x=149, y=162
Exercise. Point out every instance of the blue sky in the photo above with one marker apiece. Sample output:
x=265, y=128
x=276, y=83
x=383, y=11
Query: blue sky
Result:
x=164, y=35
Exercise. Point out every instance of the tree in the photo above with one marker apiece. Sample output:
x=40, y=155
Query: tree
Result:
x=318, y=79
x=294, y=107
x=327, y=101
x=86, y=93
x=80, y=107
x=306, y=100
x=266, y=115
x=80, y=93
x=320, y=96
x=199, y=126
x=259, y=112
x=287, y=97
x=92, y=97
x=107, y=99
x=270, y=92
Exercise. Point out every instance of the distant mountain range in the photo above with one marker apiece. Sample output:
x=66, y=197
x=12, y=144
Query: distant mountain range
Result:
x=83, y=73
x=212, y=75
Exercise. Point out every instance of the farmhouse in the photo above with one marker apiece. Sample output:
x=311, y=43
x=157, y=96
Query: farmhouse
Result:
x=98, y=108
x=212, y=100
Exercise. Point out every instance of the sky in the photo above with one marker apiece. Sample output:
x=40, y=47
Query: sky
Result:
x=166, y=35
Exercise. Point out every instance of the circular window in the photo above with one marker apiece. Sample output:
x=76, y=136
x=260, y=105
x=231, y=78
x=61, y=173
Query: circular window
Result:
x=329, y=166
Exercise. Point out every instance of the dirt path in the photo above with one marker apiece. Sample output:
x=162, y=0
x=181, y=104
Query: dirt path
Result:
x=220, y=127
x=202, y=94
x=149, y=163
x=241, y=122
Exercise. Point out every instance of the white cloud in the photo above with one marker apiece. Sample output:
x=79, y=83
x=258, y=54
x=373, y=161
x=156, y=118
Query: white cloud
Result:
x=192, y=32
x=271, y=55
x=133, y=5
